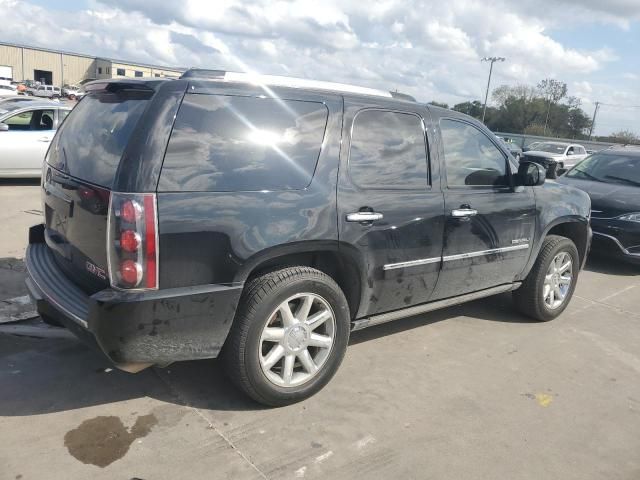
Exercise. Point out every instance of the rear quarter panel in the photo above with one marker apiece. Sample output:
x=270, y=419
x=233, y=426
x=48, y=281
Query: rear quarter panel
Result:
x=219, y=237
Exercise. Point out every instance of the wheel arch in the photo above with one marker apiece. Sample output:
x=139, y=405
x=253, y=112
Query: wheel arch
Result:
x=328, y=257
x=574, y=227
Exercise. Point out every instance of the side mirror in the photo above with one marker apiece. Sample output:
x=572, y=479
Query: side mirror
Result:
x=530, y=174
x=570, y=152
x=4, y=127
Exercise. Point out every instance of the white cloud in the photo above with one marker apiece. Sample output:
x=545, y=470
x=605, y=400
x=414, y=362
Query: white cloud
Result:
x=429, y=49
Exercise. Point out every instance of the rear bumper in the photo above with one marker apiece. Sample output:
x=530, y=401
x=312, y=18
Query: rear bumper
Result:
x=153, y=327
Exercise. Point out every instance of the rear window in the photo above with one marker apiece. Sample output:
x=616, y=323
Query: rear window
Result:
x=92, y=139
x=228, y=143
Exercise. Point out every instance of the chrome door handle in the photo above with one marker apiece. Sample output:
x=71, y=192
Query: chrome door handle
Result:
x=464, y=212
x=364, y=217
x=44, y=139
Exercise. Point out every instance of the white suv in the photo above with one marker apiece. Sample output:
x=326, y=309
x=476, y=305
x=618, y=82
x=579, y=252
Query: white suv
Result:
x=47, y=91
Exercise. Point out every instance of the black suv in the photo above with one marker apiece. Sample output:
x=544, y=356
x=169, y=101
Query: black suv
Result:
x=263, y=219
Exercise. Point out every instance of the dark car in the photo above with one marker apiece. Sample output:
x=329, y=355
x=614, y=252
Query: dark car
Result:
x=612, y=180
x=262, y=219
x=512, y=146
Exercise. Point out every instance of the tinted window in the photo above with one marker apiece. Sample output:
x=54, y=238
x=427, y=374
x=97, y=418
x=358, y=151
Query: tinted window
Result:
x=388, y=151
x=31, y=120
x=227, y=143
x=21, y=121
x=138, y=73
x=608, y=168
x=91, y=141
x=470, y=157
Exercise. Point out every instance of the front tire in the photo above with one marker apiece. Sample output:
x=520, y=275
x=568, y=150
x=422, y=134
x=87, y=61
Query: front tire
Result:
x=289, y=335
x=548, y=288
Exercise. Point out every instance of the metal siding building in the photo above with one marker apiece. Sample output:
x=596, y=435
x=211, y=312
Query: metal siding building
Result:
x=58, y=68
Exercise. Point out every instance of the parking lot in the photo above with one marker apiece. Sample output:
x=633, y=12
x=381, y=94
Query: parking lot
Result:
x=474, y=391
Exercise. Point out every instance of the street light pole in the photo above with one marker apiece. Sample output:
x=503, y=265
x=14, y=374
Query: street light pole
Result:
x=486, y=95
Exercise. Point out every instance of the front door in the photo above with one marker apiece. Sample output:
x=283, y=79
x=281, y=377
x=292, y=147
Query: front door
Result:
x=489, y=224
x=390, y=206
x=24, y=145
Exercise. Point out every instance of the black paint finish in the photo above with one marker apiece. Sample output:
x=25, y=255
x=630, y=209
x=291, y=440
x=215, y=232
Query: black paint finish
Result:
x=211, y=242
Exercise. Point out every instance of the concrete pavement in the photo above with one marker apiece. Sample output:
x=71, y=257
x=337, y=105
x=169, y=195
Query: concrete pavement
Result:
x=475, y=391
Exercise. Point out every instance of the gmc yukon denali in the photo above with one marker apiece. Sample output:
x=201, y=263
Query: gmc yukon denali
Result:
x=262, y=219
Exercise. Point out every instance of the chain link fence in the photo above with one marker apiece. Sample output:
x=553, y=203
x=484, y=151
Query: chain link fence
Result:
x=524, y=140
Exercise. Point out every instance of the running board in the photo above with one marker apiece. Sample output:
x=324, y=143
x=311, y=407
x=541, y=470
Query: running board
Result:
x=429, y=307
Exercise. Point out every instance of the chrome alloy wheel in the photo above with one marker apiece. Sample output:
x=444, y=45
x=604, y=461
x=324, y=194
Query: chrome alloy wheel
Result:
x=557, y=281
x=297, y=339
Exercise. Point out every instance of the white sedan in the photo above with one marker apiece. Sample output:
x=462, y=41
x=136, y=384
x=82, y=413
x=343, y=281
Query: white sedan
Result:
x=26, y=130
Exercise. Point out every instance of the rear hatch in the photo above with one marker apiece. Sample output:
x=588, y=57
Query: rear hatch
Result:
x=79, y=174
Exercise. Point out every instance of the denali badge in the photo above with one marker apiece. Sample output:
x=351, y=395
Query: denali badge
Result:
x=97, y=271
x=519, y=241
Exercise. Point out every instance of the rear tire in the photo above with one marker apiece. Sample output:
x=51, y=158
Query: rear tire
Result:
x=289, y=335
x=548, y=288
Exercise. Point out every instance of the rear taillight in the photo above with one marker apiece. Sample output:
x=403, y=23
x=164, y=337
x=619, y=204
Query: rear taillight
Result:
x=132, y=241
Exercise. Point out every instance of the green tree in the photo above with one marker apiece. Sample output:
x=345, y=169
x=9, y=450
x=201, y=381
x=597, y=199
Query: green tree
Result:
x=473, y=109
x=625, y=136
x=439, y=104
x=553, y=91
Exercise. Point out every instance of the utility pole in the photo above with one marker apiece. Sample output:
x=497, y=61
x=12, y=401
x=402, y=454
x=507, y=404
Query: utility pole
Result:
x=593, y=121
x=486, y=95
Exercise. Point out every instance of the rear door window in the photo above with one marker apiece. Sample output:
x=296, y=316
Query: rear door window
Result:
x=388, y=151
x=230, y=143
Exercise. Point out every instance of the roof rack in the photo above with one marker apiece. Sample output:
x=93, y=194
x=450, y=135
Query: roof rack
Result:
x=276, y=80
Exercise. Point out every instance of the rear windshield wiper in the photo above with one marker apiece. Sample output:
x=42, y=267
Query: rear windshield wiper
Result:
x=622, y=179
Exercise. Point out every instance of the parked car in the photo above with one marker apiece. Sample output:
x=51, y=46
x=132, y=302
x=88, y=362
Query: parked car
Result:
x=72, y=92
x=26, y=130
x=47, y=91
x=264, y=218
x=612, y=179
x=554, y=156
x=512, y=146
x=7, y=90
x=17, y=99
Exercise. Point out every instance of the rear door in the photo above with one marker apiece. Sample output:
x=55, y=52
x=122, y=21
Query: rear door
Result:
x=81, y=168
x=489, y=224
x=390, y=209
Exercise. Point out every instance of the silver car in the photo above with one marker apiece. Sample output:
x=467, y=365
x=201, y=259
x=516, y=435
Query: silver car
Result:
x=26, y=130
x=47, y=91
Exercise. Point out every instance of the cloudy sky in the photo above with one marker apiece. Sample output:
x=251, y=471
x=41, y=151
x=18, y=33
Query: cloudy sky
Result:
x=431, y=49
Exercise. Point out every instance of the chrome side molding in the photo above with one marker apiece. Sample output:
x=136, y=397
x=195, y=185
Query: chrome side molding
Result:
x=411, y=263
x=449, y=258
x=461, y=256
x=431, y=306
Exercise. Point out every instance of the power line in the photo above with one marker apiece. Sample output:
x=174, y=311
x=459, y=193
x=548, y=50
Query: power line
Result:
x=618, y=106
